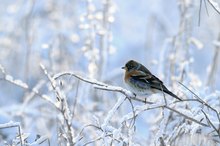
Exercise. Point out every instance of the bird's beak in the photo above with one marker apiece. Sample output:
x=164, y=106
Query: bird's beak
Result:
x=123, y=67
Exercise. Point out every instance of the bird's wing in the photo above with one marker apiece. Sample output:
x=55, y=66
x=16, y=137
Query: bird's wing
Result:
x=154, y=82
x=150, y=79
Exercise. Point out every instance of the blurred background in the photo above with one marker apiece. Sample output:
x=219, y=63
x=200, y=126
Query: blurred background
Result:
x=178, y=40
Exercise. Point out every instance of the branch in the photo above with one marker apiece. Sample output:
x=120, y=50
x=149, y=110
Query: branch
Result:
x=200, y=100
x=101, y=85
x=128, y=94
x=214, y=5
x=209, y=121
x=64, y=106
x=11, y=125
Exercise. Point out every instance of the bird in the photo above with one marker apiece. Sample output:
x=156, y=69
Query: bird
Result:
x=141, y=81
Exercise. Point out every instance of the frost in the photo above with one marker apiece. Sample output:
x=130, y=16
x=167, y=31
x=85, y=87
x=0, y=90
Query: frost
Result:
x=217, y=43
x=91, y=7
x=9, y=124
x=112, y=112
x=111, y=19
x=77, y=97
x=99, y=15
x=116, y=134
x=84, y=26
x=74, y=38
x=2, y=69
x=215, y=5
x=39, y=140
x=45, y=46
x=9, y=78
x=112, y=50
x=196, y=42
x=20, y=83
x=196, y=82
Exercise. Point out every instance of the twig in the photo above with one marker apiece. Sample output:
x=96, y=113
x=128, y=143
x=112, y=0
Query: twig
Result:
x=103, y=86
x=75, y=99
x=163, y=94
x=64, y=106
x=200, y=7
x=209, y=121
x=123, y=91
x=206, y=8
x=111, y=113
x=202, y=101
x=162, y=143
x=187, y=117
x=214, y=6
x=134, y=117
x=214, y=65
x=11, y=125
x=23, y=85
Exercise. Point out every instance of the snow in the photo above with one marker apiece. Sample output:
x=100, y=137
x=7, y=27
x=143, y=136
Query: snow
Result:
x=61, y=80
x=9, y=124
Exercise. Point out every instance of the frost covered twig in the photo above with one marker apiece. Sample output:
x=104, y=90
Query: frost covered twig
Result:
x=40, y=140
x=102, y=86
x=212, y=71
x=23, y=85
x=200, y=100
x=214, y=5
x=128, y=94
x=162, y=143
x=210, y=122
x=64, y=107
x=112, y=112
x=11, y=125
x=187, y=117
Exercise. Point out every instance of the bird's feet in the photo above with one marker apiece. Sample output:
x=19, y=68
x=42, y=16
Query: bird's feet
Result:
x=134, y=95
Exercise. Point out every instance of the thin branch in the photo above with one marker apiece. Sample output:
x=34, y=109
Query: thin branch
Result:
x=214, y=65
x=134, y=117
x=162, y=143
x=206, y=8
x=123, y=91
x=202, y=101
x=102, y=86
x=209, y=121
x=75, y=99
x=187, y=117
x=200, y=7
x=128, y=94
x=12, y=125
x=64, y=106
x=214, y=5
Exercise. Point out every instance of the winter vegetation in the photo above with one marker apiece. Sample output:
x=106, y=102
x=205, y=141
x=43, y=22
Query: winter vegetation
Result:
x=61, y=82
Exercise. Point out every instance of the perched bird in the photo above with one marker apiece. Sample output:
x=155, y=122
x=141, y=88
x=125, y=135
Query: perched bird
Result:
x=142, y=82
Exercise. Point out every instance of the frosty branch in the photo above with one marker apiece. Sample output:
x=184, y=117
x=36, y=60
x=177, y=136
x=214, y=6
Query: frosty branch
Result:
x=128, y=94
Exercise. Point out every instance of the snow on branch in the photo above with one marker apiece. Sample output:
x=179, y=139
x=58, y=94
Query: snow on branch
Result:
x=127, y=93
x=11, y=125
x=23, y=85
x=215, y=5
x=64, y=108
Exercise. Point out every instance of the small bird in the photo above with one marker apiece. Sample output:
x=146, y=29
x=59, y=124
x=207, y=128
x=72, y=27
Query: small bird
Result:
x=142, y=82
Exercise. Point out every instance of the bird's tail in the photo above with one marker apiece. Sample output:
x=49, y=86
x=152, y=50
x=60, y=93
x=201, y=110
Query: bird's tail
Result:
x=173, y=95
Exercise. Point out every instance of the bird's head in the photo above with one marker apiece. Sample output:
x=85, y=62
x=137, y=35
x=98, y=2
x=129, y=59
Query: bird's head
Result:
x=131, y=65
